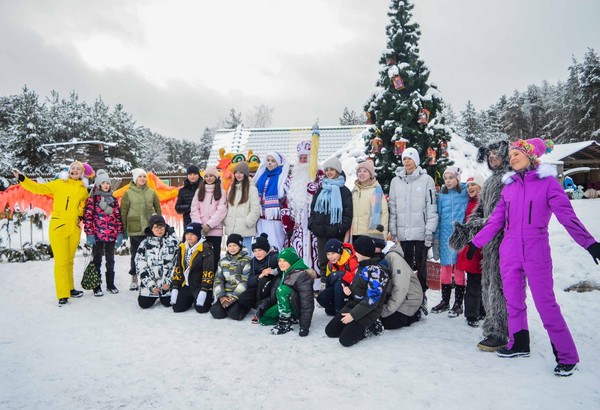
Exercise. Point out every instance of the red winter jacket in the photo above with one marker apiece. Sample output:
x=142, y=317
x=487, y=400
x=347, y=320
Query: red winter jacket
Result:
x=344, y=268
x=462, y=263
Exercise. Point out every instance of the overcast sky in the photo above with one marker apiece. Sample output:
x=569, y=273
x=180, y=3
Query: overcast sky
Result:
x=180, y=65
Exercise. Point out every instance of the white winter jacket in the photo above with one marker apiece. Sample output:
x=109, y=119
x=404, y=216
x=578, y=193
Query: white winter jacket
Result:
x=413, y=209
x=242, y=218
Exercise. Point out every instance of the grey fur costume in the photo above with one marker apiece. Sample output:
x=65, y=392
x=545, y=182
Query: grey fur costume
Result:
x=496, y=321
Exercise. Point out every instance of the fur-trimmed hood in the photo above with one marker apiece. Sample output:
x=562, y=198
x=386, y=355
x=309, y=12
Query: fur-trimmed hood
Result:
x=542, y=171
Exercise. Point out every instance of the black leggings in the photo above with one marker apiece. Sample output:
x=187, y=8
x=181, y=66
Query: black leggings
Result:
x=349, y=334
x=415, y=254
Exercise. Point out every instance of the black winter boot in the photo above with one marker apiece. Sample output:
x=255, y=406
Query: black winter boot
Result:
x=284, y=325
x=520, y=346
x=457, y=309
x=444, y=305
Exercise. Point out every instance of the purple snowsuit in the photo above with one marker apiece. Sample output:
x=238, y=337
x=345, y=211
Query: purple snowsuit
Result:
x=524, y=210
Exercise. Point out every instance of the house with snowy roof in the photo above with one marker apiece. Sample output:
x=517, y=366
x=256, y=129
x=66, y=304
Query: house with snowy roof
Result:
x=94, y=152
x=578, y=160
x=284, y=140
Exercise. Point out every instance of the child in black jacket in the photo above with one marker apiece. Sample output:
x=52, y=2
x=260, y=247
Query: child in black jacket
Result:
x=192, y=280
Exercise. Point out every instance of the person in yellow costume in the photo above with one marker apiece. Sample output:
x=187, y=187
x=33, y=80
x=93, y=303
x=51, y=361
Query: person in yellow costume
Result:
x=69, y=195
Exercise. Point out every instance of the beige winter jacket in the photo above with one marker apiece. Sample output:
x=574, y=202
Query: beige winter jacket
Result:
x=361, y=209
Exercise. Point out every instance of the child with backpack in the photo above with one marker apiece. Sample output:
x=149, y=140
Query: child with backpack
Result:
x=103, y=228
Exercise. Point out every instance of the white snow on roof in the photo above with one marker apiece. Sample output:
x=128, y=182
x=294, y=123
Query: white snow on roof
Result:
x=561, y=151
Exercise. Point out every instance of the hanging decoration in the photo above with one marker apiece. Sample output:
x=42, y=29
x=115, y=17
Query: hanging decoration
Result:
x=377, y=143
x=399, y=146
x=390, y=60
x=423, y=117
x=398, y=82
x=431, y=154
x=370, y=117
x=444, y=149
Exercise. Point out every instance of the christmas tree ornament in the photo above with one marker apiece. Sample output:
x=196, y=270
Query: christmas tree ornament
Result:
x=444, y=149
x=370, y=117
x=399, y=146
x=398, y=82
x=431, y=154
x=376, y=144
x=390, y=60
x=423, y=117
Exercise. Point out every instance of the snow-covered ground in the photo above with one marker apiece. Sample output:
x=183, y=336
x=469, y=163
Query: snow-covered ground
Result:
x=105, y=353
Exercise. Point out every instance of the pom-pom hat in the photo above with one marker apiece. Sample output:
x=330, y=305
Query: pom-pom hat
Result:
x=534, y=148
x=262, y=242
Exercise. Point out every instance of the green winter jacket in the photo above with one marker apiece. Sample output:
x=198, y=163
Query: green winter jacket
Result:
x=137, y=206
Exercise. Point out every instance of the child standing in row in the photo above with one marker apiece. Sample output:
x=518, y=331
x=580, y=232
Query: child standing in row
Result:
x=474, y=311
x=104, y=229
x=452, y=205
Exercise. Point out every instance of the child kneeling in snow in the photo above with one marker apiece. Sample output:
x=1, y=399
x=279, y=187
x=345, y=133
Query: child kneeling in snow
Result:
x=366, y=297
x=291, y=296
x=193, y=277
x=340, y=269
x=154, y=262
x=231, y=280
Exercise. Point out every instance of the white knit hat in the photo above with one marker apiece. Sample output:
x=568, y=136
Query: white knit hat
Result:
x=137, y=172
x=476, y=179
x=412, y=154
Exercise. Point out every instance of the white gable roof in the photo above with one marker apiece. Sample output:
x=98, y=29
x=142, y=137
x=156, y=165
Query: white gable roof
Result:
x=561, y=151
x=283, y=140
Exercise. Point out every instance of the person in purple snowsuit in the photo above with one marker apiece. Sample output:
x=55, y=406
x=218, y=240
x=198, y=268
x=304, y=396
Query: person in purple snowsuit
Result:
x=530, y=196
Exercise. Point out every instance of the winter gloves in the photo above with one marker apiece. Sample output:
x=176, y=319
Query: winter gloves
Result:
x=91, y=240
x=471, y=251
x=174, y=294
x=594, y=250
x=436, y=249
x=428, y=240
x=119, y=241
x=201, y=298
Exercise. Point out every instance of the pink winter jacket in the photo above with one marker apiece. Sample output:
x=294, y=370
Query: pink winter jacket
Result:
x=210, y=211
x=525, y=207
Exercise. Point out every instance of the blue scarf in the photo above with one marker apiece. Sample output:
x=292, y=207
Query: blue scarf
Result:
x=330, y=199
x=268, y=189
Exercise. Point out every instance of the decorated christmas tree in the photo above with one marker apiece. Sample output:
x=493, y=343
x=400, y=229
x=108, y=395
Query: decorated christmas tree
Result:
x=405, y=110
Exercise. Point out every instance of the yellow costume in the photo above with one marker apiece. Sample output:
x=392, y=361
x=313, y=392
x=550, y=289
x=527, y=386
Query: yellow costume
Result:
x=69, y=199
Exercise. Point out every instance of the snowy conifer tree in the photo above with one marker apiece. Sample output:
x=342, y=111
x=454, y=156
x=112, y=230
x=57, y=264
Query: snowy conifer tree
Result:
x=404, y=105
x=27, y=132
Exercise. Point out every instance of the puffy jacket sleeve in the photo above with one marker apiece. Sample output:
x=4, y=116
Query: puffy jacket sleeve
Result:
x=385, y=217
x=143, y=268
x=400, y=278
x=220, y=213
x=125, y=205
x=178, y=277
x=156, y=203
x=254, y=203
x=195, y=213
x=181, y=206
x=561, y=207
x=118, y=220
x=219, y=282
x=37, y=188
x=304, y=287
x=89, y=227
x=393, y=209
x=431, y=207
x=242, y=277
x=208, y=271
x=492, y=227
x=346, y=223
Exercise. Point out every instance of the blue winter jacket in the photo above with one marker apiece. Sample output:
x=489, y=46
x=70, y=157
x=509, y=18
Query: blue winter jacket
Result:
x=451, y=208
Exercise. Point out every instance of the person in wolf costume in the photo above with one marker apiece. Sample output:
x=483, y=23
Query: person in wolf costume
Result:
x=495, y=324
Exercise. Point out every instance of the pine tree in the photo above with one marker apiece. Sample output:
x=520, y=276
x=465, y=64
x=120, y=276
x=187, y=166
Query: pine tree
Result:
x=351, y=118
x=206, y=143
x=234, y=119
x=470, y=126
x=589, y=125
x=397, y=104
x=27, y=132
